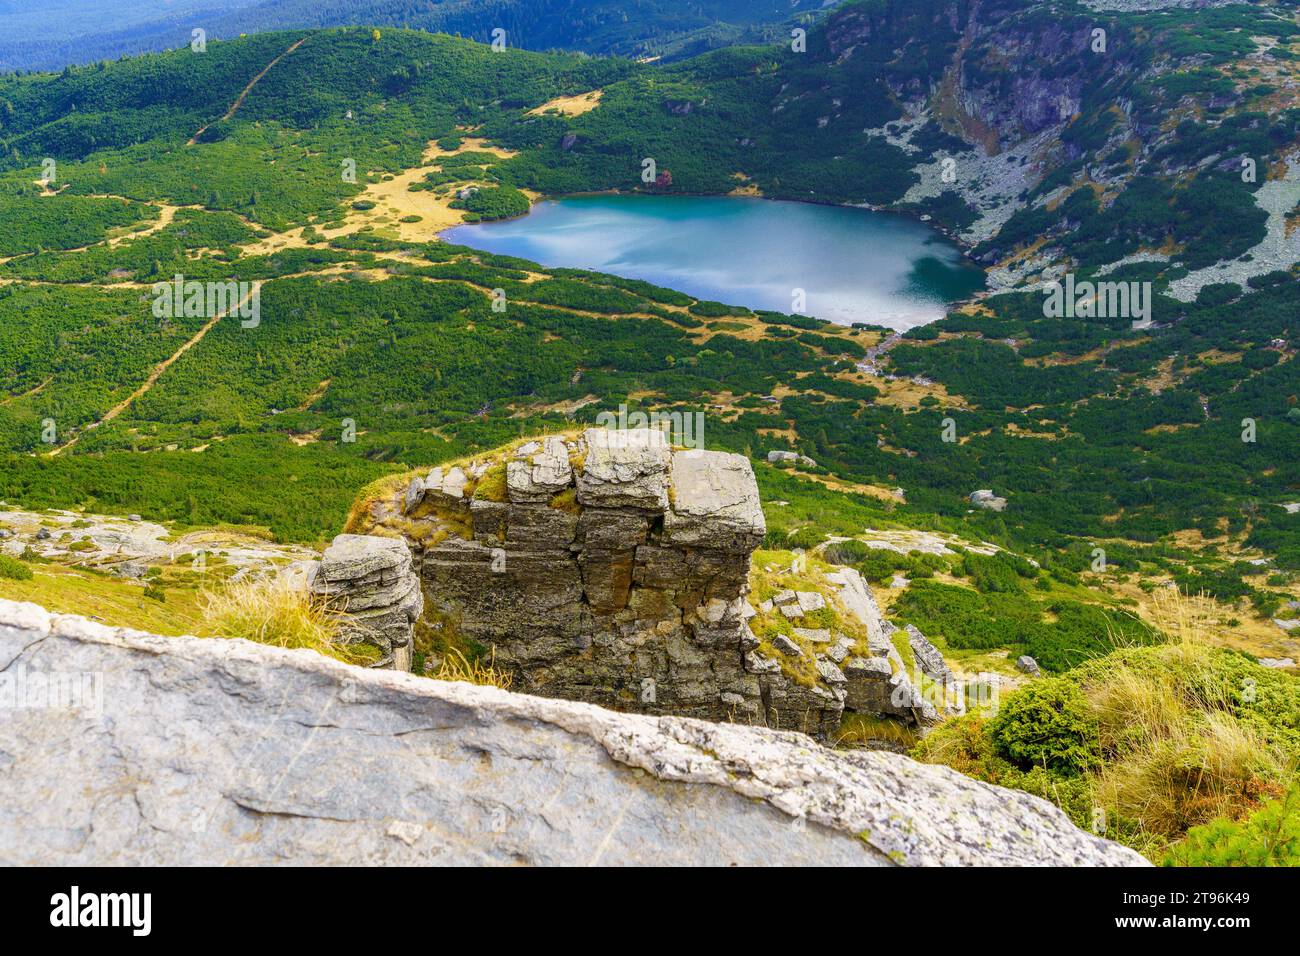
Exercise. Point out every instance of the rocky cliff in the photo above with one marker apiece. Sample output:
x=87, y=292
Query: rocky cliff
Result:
x=1050, y=135
x=611, y=568
x=119, y=747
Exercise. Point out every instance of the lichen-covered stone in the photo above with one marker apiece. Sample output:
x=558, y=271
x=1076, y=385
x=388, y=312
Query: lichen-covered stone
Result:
x=369, y=581
x=624, y=469
x=221, y=752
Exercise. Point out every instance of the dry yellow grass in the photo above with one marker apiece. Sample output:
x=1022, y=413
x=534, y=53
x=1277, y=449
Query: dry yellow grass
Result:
x=570, y=105
x=272, y=611
x=394, y=201
x=1177, y=756
x=457, y=667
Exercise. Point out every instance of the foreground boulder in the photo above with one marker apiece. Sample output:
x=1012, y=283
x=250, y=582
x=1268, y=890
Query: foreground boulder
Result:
x=187, y=751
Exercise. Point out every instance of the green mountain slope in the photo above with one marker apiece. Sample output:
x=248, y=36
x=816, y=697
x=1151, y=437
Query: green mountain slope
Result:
x=94, y=30
x=1097, y=433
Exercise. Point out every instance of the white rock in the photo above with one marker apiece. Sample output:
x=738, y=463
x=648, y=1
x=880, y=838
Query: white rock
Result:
x=288, y=757
x=810, y=601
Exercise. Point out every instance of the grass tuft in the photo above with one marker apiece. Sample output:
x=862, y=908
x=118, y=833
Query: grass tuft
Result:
x=272, y=611
x=457, y=667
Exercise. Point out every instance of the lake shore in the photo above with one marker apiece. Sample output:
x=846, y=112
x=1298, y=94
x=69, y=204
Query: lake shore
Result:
x=840, y=263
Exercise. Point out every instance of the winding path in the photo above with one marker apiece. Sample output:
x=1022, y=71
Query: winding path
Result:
x=161, y=367
x=239, y=101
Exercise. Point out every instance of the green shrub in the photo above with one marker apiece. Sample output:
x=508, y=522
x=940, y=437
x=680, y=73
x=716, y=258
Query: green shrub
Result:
x=990, y=574
x=1047, y=724
x=498, y=202
x=1269, y=837
x=14, y=569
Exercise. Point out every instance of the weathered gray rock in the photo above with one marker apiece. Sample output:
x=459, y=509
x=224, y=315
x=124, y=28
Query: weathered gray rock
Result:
x=453, y=484
x=787, y=646
x=624, y=469
x=439, y=489
x=415, y=492
x=217, y=752
x=928, y=657
x=370, y=582
x=810, y=601
x=840, y=649
x=984, y=498
x=540, y=474
x=1026, y=664
x=829, y=672
x=857, y=597
x=715, y=502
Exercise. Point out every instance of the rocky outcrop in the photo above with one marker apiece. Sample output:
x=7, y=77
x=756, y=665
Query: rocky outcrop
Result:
x=985, y=498
x=611, y=568
x=127, y=547
x=368, y=582
x=607, y=567
x=779, y=457
x=821, y=653
x=219, y=752
x=928, y=658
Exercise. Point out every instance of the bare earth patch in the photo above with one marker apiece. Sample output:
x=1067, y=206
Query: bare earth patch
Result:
x=570, y=105
x=393, y=202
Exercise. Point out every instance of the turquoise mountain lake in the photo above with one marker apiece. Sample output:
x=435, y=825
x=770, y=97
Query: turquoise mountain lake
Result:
x=854, y=265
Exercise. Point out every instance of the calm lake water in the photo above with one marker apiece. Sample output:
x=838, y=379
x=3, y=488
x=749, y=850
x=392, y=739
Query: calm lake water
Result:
x=854, y=265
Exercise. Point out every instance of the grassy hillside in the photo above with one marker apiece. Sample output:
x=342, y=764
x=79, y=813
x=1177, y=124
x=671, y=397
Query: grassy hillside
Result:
x=108, y=29
x=379, y=348
x=1184, y=752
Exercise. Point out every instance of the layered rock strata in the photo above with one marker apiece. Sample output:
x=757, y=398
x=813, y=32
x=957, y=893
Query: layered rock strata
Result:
x=608, y=567
x=368, y=581
x=612, y=568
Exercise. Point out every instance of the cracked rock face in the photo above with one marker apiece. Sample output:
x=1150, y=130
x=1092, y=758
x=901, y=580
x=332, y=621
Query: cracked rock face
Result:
x=221, y=752
x=369, y=580
x=606, y=567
